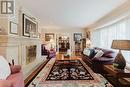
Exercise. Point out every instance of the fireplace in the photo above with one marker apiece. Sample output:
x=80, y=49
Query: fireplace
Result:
x=30, y=53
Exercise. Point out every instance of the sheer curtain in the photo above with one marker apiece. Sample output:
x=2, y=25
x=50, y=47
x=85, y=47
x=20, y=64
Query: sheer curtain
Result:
x=104, y=36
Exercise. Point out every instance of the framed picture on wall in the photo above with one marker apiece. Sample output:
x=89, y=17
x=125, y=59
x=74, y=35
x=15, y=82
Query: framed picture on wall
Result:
x=13, y=28
x=77, y=37
x=49, y=36
x=30, y=26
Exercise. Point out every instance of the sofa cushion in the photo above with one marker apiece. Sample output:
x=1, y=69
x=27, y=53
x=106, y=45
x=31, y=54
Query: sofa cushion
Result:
x=4, y=68
x=15, y=68
x=103, y=59
x=97, y=48
x=99, y=53
x=109, y=54
x=104, y=50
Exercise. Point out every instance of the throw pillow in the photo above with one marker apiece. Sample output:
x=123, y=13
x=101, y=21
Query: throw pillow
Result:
x=96, y=50
x=99, y=53
x=86, y=52
x=4, y=68
x=92, y=53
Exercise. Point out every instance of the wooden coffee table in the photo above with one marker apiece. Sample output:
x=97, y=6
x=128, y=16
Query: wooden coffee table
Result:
x=61, y=57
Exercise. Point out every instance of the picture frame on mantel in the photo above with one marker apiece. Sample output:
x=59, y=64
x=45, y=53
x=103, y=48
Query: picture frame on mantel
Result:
x=30, y=26
x=13, y=28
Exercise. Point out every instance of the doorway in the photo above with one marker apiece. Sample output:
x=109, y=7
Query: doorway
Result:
x=64, y=44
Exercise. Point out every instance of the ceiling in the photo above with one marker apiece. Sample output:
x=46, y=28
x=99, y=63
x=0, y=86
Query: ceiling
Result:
x=70, y=13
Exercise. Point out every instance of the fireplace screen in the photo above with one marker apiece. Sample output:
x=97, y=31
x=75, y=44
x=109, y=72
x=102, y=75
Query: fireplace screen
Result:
x=30, y=53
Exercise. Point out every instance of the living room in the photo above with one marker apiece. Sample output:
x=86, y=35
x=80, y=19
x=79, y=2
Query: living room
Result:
x=35, y=35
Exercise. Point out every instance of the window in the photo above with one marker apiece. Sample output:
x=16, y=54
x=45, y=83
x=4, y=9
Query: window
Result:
x=103, y=37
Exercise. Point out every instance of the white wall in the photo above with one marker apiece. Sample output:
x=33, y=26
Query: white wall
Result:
x=115, y=15
x=14, y=46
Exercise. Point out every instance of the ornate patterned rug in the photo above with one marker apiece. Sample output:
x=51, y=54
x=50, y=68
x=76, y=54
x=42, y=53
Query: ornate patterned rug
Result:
x=94, y=80
x=69, y=70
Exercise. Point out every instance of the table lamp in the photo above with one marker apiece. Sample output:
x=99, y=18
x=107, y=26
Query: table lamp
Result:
x=120, y=61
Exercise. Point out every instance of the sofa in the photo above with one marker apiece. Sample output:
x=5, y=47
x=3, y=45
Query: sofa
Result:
x=12, y=79
x=97, y=63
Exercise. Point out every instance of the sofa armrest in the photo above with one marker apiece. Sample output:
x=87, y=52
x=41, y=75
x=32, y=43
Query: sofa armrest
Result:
x=16, y=79
x=6, y=83
x=15, y=68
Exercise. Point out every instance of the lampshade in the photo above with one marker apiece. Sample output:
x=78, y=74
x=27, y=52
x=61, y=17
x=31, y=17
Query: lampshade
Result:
x=120, y=61
x=121, y=44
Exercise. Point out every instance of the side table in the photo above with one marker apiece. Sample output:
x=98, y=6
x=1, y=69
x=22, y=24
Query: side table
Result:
x=116, y=73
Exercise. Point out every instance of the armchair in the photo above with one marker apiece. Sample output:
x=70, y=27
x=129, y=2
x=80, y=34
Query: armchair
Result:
x=44, y=50
x=15, y=79
x=12, y=79
x=50, y=53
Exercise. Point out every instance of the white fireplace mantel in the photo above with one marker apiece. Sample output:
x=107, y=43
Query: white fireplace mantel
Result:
x=14, y=47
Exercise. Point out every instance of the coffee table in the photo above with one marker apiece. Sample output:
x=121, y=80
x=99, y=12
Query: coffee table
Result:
x=67, y=62
x=61, y=57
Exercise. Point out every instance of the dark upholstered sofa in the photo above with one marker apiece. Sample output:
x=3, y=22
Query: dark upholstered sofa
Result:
x=96, y=64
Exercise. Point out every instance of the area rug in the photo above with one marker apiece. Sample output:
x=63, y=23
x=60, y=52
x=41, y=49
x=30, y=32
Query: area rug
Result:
x=40, y=79
x=69, y=70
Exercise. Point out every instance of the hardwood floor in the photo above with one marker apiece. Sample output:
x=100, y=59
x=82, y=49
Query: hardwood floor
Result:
x=34, y=73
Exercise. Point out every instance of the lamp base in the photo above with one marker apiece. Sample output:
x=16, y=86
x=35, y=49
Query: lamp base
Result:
x=119, y=61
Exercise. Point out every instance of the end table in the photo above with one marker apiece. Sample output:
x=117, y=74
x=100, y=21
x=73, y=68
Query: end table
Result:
x=117, y=73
